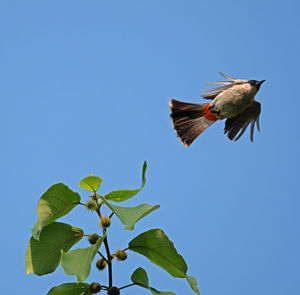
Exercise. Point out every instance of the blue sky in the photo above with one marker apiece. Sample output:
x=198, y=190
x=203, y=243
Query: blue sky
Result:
x=84, y=90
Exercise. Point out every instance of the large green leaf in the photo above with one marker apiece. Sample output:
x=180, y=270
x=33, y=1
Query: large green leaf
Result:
x=123, y=195
x=156, y=246
x=43, y=256
x=130, y=215
x=71, y=289
x=78, y=262
x=140, y=278
x=90, y=183
x=56, y=202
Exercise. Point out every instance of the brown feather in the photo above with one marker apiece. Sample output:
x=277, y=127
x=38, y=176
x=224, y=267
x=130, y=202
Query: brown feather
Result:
x=240, y=122
x=188, y=120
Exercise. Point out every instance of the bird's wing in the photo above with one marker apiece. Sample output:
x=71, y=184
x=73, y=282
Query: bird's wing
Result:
x=228, y=84
x=240, y=122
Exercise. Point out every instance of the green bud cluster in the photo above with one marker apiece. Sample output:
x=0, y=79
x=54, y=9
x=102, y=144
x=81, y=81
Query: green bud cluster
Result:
x=95, y=287
x=105, y=221
x=92, y=205
x=113, y=291
x=101, y=264
x=93, y=239
x=121, y=255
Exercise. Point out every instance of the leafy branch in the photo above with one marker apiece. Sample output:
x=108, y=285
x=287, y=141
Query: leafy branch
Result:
x=51, y=241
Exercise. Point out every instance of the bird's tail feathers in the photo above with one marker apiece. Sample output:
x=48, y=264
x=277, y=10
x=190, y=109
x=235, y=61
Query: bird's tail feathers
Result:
x=190, y=119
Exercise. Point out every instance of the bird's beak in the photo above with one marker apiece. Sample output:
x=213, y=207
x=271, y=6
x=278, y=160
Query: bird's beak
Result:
x=260, y=82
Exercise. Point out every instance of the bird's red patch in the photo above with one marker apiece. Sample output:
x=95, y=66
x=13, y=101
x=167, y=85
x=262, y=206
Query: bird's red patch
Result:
x=208, y=114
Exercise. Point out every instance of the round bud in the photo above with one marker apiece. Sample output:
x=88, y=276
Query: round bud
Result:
x=113, y=291
x=104, y=221
x=91, y=205
x=101, y=264
x=93, y=238
x=95, y=288
x=121, y=255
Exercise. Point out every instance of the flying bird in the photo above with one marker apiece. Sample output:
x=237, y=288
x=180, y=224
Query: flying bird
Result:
x=234, y=102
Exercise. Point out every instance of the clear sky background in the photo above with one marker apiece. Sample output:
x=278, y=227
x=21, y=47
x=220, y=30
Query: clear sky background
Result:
x=84, y=90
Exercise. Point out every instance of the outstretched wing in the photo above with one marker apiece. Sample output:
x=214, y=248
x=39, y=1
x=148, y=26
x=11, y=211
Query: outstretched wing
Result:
x=228, y=84
x=240, y=122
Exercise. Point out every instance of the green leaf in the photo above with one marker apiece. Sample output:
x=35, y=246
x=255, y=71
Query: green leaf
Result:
x=42, y=257
x=193, y=283
x=71, y=289
x=36, y=231
x=156, y=292
x=156, y=246
x=90, y=183
x=123, y=195
x=130, y=215
x=78, y=262
x=140, y=278
x=56, y=202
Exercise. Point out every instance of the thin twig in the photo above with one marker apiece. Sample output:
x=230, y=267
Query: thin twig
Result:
x=127, y=286
x=79, y=203
x=98, y=212
x=102, y=256
x=112, y=213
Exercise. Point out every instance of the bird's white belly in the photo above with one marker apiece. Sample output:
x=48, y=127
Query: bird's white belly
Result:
x=233, y=101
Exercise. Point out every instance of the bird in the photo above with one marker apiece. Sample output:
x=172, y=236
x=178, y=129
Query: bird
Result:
x=234, y=102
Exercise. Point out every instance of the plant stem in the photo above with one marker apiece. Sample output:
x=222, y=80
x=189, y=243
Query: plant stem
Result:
x=102, y=256
x=127, y=286
x=112, y=213
x=99, y=206
x=108, y=258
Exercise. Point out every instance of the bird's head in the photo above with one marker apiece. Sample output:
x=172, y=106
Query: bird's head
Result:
x=256, y=83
